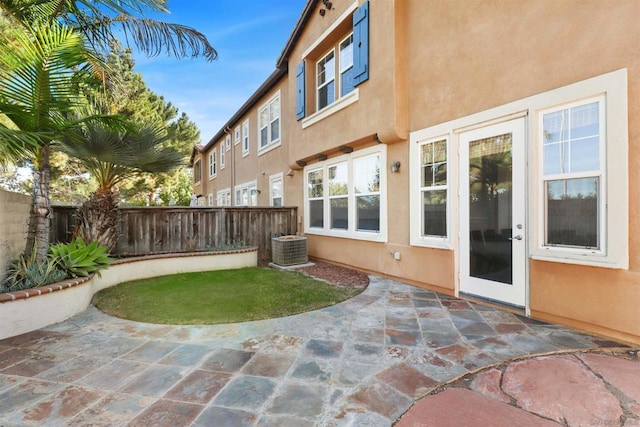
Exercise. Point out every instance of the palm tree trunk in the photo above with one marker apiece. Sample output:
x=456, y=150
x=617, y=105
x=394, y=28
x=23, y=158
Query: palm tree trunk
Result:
x=39, y=215
x=97, y=220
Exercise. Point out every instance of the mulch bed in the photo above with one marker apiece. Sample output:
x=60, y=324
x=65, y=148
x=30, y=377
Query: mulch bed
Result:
x=337, y=275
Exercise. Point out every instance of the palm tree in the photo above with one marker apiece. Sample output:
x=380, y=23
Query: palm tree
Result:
x=100, y=21
x=111, y=156
x=41, y=71
x=43, y=66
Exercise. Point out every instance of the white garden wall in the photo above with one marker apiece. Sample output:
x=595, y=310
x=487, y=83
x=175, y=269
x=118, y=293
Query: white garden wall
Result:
x=24, y=315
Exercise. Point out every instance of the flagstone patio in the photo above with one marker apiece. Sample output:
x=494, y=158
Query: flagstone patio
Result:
x=361, y=362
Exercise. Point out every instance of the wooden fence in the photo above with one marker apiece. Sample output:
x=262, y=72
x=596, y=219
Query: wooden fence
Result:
x=150, y=230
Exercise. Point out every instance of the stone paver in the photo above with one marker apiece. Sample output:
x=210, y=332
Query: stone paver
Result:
x=570, y=389
x=361, y=362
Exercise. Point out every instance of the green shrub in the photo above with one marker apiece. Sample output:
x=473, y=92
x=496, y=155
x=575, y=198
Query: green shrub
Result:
x=27, y=273
x=79, y=259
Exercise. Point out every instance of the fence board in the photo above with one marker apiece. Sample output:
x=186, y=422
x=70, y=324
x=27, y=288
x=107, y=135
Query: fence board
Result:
x=147, y=230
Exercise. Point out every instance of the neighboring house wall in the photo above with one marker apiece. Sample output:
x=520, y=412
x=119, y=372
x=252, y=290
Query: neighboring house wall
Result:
x=257, y=150
x=14, y=217
x=441, y=75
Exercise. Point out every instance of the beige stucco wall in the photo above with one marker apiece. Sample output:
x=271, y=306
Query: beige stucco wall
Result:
x=466, y=58
x=447, y=60
x=436, y=61
x=240, y=169
x=14, y=217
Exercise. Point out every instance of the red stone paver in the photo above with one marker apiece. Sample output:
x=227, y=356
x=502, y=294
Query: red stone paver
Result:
x=560, y=388
x=165, y=413
x=407, y=380
x=460, y=407
x=621, y=373
x=487, y=383
x=61, y=406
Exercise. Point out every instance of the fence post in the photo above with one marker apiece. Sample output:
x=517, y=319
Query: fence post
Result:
x=223, y=227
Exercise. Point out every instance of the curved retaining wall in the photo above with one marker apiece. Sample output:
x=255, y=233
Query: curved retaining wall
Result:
x=32, y=309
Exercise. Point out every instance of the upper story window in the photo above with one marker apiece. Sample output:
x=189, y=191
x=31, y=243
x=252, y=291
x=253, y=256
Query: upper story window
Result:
x=326, y=80
x=328, y=91
x=213, y=164
x=339, y=62
x=227, y=142
x=346, y=66
x=223, y=156
x=245, y=138
x=236, y=135
x=269, y=123
x=197, y=171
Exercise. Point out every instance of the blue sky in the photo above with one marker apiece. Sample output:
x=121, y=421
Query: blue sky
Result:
x=249, y=36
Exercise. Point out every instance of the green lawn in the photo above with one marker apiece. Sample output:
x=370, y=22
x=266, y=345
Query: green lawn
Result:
x=214, y=297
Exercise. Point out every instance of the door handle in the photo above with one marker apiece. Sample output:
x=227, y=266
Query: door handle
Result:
x=518, y=237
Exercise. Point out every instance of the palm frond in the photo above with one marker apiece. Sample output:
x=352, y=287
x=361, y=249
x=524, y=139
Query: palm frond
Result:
x=150, y=36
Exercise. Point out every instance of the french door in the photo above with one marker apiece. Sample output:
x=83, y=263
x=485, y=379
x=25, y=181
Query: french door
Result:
x=493, y=231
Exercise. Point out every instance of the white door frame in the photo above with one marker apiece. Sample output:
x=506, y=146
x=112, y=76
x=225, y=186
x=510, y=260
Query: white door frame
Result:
x=515, y=294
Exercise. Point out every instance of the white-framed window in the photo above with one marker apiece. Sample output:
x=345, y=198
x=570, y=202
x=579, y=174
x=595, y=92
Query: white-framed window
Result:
x=246, y=194
x=245, y=138
x=347, y=84
x=326, y=80
x=213, y=164
x=434, y=189
x=346, y=196
x=276, y=190
x=224, y=197
x=236, y=135
x=327, y=90
x=227, y=142
x=573, y=175
x=197, y=170
x=269, y=124
x=210, y=199
x=223, y=156
x=577, y=167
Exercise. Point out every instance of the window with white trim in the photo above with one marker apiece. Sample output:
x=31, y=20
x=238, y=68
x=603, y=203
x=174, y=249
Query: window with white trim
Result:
x=210, y=199
x=245, y=138
x=269, y=123
x=223, y=156
x=213, y=164
x=227, y=142
x=197, y=171
x=236, y=135
x=276, y=190
x=345, y=196
x=336, y=63
x=434, y=188
x=246, y=194
x=224, y=197
x=326, y=80
x=573, y=175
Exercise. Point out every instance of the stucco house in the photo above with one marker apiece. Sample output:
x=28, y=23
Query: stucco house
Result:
x=488, y=150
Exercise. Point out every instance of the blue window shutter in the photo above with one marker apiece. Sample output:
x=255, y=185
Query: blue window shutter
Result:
x=300, y=95
x=361, y=44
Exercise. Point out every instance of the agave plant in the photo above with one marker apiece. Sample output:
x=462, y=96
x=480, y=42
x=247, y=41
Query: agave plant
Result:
x=78, y=259
x=27, y=273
